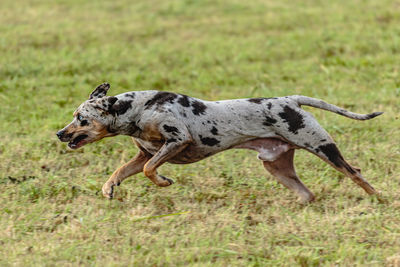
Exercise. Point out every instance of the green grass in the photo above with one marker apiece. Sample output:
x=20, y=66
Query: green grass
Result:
x=225, y=210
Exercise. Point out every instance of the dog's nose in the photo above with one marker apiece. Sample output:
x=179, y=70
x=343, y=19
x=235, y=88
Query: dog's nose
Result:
x=60, y=134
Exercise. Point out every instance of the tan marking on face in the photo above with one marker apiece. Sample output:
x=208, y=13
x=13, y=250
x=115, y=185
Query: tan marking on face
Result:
x=71, y=129
x=99, y=130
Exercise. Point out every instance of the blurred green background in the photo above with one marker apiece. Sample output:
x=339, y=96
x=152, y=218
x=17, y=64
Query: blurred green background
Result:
x=226, y=210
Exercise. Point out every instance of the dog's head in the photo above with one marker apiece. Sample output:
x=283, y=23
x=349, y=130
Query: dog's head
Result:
x=92, y=119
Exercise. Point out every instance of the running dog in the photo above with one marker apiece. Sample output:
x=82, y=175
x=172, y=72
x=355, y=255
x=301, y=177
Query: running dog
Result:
x=175, y=128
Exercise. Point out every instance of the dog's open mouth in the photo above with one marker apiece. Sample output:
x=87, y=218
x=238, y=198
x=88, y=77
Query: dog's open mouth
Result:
x=78, y=141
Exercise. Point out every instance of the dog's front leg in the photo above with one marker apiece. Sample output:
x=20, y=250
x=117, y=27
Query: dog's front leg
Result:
x=166, y=152
x=132, y=167
x=177, y=138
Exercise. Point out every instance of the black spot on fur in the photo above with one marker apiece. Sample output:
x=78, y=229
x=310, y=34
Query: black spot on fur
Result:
x=269, y=105
x=133, y=128
x=269, y=121
x=255, y=100
x=323, y=140
x=373, y=115
x=214, y=131
x=131, y=95
x=208, y=141
x=171, y=140
x=259, y=100
x=84, y=122
x=112, y=100
x=171, y=129
x=184, y=101
x=110, y=130
x=120, y=107
x=198, y=108
x=293, y=118
x=160, y=98
x=333, y=154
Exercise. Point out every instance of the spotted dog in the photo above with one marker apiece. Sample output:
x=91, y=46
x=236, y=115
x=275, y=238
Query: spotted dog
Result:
x=175, y=128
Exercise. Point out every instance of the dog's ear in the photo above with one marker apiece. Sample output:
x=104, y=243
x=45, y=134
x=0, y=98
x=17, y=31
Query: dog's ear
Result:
x=100, y=91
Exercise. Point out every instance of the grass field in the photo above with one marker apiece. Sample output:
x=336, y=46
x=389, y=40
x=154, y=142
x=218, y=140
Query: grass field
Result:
x=223, y=211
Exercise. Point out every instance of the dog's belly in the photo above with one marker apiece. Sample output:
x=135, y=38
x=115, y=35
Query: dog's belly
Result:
x=269, y=149
x=192, y=153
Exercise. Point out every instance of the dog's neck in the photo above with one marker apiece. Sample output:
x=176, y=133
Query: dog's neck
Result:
x=128, y=123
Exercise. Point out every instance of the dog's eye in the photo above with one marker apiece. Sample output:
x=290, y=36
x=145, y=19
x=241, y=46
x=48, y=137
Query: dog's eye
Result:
x=80, y=118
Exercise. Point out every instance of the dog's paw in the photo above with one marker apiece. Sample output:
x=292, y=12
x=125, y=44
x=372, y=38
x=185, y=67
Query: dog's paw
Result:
x=165, y=181
x=108, y=190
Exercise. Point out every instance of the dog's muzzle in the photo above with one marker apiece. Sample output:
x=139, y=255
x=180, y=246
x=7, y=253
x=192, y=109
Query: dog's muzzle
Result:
x=62, y=136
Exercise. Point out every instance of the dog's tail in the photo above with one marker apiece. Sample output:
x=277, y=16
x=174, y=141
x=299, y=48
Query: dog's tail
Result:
x=317, y=103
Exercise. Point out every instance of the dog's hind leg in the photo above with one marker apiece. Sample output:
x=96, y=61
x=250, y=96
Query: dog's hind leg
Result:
x=331, y=154
x=305, y=132
x=283, y=169
x=277, y=157
x=130, y=168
